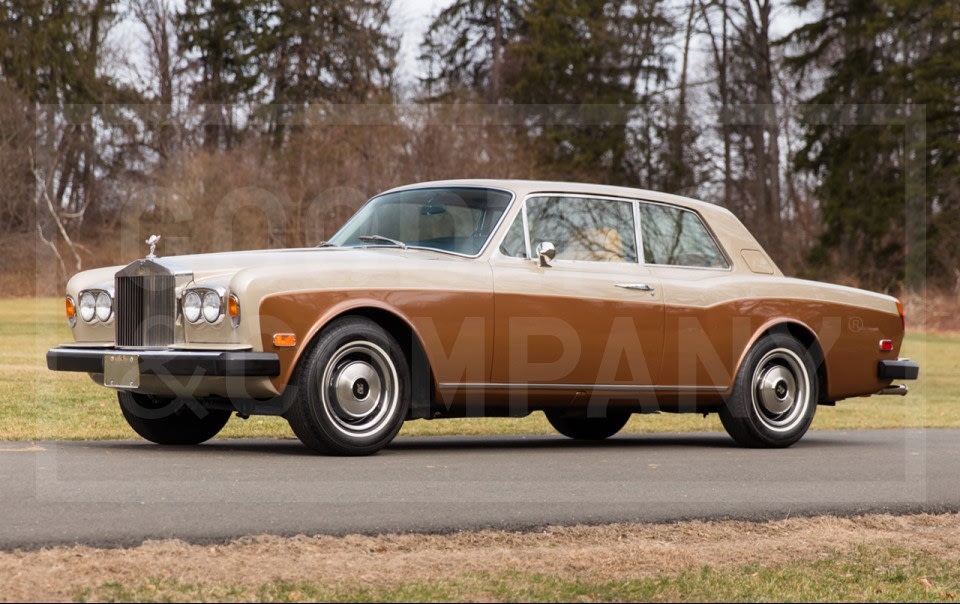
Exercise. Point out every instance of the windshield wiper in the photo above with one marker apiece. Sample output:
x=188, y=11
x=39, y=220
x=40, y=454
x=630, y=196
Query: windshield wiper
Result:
x=327, y=244
x=382, y=239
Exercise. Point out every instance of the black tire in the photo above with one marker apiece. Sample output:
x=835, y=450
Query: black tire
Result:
x=581, y=427
x=774, y=395
x=353, y=389
x=171, y=421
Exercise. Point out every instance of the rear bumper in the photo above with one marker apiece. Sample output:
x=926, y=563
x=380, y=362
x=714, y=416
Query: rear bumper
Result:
x=901, y=369
x=213, y=363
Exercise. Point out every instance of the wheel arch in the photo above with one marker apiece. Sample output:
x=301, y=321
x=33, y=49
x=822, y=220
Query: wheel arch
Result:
x=402, y=330
x=803, y=334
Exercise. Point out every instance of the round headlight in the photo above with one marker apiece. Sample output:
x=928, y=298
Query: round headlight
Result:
x=191, y=306
x=211, y=306
x=104, y=306
x=88, y=306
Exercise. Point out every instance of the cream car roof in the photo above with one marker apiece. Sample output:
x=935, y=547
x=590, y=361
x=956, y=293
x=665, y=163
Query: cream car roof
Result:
x=526, y=187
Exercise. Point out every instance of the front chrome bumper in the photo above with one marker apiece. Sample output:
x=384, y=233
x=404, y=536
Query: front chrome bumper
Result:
x=214, y=363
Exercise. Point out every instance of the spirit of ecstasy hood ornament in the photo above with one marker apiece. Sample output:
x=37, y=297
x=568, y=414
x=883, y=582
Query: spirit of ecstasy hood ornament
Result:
x=152, y=242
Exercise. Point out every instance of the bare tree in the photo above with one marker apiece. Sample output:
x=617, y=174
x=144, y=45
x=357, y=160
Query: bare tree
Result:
x=745, y=90
x=157, y=18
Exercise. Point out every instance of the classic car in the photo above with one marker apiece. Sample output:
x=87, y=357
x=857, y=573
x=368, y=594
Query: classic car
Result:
x=484, y=298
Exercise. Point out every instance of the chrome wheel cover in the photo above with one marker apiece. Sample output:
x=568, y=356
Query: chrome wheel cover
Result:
x=359, y=390
x=780, y=390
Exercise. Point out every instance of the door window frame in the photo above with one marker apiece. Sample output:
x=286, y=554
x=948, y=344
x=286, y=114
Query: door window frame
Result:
x=528, y=243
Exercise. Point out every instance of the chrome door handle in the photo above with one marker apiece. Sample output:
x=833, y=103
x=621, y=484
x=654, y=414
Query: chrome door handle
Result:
x=643, y=287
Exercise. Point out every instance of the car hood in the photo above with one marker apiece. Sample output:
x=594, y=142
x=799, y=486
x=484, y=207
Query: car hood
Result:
x=223, y=268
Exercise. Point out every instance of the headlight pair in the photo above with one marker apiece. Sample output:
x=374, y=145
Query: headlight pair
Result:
x=204, y=303
x=95, y=305
x=209, y=305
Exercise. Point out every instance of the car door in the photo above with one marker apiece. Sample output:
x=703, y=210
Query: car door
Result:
x=592, y=318
x=704, y=334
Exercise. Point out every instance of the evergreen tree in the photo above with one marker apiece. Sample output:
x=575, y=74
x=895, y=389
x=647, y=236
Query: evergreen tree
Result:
x=285, y=53
x=463, y=49
x=893, y=53
x=220, y=38
x=581, y=62
x=325, y=51
x=52, y=49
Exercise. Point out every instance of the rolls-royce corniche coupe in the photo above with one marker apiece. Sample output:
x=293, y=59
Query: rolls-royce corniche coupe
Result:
x=484, y=298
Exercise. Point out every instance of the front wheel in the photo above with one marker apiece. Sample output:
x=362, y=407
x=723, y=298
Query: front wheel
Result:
x=581, y=427
x=353, y=390
x=171, y=421
x=774, y=395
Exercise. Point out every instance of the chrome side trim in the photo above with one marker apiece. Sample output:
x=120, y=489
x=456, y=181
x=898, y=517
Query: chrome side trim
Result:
x=526, y=230
x=608, y=387
x=638, y=233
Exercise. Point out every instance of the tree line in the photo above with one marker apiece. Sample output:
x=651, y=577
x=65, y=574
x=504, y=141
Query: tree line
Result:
x=836, y=140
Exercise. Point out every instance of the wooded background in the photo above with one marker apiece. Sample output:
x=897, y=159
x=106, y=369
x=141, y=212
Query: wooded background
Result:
x=264, y=123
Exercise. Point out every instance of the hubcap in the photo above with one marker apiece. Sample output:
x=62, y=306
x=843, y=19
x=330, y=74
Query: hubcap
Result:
x=781, y=390
x=359, y=391
x=778, y=389
x=357, y=387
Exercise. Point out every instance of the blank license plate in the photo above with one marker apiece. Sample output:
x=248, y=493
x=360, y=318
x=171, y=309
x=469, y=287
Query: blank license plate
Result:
x=121, y=371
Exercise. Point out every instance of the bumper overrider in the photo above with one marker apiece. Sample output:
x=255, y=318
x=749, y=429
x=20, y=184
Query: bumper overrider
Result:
x=901, y=369
x=185, y=363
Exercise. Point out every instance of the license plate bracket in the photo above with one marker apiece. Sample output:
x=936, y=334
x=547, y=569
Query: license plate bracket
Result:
x=121, y=371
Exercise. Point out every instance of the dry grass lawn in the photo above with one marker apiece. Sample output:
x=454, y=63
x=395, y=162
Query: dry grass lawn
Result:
x=819, y=558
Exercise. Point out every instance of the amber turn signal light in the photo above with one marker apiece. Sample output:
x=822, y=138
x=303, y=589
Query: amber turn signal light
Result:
x=903, y=319
x=233, y=309
x=284, y=340
x=71, y=308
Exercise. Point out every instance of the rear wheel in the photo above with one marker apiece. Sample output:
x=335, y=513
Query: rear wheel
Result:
x=171, y=421
x=581, y=427
x=353, y=390
x=774, y=396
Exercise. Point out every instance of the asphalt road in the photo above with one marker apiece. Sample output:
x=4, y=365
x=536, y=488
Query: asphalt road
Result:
x=120, y=493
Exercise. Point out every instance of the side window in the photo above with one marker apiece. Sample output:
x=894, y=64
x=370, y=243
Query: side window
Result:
x=677, y=237
x=513, y=244
x=591, y=230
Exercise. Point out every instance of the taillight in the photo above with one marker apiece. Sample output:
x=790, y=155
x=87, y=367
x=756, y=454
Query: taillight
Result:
x=903, y=319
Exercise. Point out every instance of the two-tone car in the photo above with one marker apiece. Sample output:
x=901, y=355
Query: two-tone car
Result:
x=484, y=298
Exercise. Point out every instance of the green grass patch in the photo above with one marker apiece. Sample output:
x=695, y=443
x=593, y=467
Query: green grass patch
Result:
x=864, y=574
x=39, y=404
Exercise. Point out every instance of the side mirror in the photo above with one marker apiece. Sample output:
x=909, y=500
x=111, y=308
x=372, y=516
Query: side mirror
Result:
x=546, y=252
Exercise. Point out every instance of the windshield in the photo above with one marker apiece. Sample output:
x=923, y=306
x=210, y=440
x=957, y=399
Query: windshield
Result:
x=455, y=219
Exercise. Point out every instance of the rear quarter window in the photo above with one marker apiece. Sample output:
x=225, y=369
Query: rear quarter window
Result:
x=676, y=237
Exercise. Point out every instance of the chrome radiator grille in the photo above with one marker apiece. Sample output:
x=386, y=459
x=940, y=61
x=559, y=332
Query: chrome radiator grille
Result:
x=146, y=308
